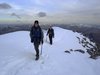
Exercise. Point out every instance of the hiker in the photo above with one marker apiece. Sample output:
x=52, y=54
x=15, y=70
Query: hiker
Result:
x=36, y=35
x=50, y=34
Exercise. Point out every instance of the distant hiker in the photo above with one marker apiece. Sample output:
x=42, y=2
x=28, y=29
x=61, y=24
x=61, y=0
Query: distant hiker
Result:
x=50, y=34
x=36, y=35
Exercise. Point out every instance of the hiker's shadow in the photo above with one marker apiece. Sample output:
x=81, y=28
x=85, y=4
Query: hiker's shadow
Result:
x=28, y=55
x=47, y=42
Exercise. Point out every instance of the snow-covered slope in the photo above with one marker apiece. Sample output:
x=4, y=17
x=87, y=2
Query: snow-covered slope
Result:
x=17, y=55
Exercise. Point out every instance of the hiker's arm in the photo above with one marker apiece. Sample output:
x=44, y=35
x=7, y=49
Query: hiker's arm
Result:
x=53, y=32
x=31, y=34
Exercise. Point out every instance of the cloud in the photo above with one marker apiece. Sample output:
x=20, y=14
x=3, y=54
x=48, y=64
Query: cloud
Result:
x=5, y=6
x=14, y=14
x=42, y=14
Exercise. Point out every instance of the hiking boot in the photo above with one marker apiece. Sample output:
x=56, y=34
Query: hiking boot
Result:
x=37, y=57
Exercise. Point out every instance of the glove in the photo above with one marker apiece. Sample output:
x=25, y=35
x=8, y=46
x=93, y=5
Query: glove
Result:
x=31, y=40
x=42, y=41
x=46, y=34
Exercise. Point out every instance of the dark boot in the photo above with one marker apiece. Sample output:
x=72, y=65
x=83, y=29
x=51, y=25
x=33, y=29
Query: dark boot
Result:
x=37, y=57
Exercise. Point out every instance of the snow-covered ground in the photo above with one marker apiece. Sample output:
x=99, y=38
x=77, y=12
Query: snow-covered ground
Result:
x=17, y=55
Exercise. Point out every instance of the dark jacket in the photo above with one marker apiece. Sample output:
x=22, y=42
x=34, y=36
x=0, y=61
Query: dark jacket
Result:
x=50, y=32
x=36, y=34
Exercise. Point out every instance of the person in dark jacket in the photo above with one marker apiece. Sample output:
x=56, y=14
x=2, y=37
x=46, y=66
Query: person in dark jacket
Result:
x=36, y=35
x=50, y=34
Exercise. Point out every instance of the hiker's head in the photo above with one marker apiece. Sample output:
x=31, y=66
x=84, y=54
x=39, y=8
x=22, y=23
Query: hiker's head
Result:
x=36, y=23
x=50, y=26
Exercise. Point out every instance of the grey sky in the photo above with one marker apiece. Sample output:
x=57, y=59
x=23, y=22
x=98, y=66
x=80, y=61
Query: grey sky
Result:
x=53, y=11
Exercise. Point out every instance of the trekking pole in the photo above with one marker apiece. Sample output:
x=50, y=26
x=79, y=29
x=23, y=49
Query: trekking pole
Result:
x=41, y=49
x=46, y=37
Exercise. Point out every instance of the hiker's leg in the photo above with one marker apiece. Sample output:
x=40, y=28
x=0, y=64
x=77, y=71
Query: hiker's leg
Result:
x=50, y=40
x=36, y=45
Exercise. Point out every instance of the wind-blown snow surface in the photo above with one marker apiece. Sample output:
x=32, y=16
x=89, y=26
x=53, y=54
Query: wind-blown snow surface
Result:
x=17, y=55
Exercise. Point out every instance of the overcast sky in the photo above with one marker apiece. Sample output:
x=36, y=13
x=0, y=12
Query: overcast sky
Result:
x=50, y=11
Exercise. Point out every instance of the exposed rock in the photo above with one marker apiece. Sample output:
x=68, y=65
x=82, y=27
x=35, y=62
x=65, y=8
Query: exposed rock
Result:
x=79, y=50
x=67, y=51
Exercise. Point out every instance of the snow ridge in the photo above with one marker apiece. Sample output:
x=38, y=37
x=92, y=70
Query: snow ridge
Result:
x=17, y=55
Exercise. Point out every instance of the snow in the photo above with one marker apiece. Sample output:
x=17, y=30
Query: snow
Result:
x=17, y=55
